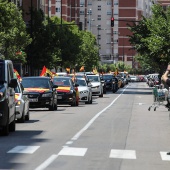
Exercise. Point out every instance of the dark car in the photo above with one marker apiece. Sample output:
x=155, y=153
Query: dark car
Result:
x=67, y=91
x=111, y=82
x=41, y=92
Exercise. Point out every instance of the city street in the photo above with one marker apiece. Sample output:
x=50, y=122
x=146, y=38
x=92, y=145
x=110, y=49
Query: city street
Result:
x=116, y=132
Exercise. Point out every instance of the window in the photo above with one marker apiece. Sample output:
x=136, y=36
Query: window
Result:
x=109, y=3
x=81, y=12
x=109, y=13
x=99, y=7
x=57, y=9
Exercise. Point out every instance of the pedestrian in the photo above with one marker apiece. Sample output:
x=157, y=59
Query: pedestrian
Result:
x=166, y=80
x=165, y=77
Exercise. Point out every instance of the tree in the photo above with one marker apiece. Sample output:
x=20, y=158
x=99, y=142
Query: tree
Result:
x=151, y=39
x=13, y=35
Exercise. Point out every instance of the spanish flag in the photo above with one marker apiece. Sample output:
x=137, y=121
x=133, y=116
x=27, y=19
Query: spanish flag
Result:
x=116, y=72
x=68, y=70
x=45, y=71
x=95, y=71
x=82, y=68
x=17, y=74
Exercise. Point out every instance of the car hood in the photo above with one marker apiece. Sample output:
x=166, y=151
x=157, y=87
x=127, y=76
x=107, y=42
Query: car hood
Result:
x=81, y=88
x=39, y=90
x=64, y=89
x=94, y=84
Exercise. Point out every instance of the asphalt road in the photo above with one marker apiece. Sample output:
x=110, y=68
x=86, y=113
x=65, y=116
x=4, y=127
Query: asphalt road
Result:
x=116, y=132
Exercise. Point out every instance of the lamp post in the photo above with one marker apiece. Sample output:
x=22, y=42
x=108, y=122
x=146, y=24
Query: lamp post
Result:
x=123, y=55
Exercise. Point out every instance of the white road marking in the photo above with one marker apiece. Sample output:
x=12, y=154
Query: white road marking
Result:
x=69, y=142
x=164, y=156
x=24, y=149
x=70, y=151
x=123, y=154
x=44, y=164
x=47, y=162
x=95, y=117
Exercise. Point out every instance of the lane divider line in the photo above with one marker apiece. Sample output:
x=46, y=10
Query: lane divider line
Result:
x=46, y=163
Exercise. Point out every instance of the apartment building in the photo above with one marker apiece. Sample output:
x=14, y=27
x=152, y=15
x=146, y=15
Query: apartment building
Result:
x=95, y=16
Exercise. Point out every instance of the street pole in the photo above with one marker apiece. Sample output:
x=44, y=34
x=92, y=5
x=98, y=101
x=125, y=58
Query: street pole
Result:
x=89, y=12
x=123, y=55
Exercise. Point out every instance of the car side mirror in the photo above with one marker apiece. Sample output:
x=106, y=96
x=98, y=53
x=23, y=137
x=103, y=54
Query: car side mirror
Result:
x=76, y=85
x=13, y=83
x=55, y=86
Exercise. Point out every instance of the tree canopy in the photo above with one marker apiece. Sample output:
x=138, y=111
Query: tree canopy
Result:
x=13, y=35
x=151, y=39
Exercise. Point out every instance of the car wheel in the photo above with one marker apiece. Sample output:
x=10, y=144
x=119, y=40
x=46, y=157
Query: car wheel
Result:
x=88, y=102
x=51, y=107
x=101, y=95
x=74, y=102
x=55, y=106
x=91, y=100
x=27, y=116
x=22, y=119
x=5, y=129
x=12, y=126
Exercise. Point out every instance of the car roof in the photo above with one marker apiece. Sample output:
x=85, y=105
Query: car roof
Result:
x=35, y=77
x=62, y=77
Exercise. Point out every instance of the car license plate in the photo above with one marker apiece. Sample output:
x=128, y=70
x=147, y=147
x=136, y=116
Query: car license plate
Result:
x=33, y=100
x=59, y=97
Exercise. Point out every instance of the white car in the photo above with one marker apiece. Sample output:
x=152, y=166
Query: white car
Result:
x=134, y=78
x=22, y=104
x=85, y=91
x=97, y=87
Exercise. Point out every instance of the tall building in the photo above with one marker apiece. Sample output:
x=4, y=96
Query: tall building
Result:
x=95, y=16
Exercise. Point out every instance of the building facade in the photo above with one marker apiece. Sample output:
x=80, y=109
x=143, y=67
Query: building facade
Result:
x=95, y=16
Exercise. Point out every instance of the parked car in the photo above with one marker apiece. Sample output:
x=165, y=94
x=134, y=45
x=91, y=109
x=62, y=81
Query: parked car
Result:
x=7, y=97
x=22, y=104
x=85, y=91
x=97, y=87
x=67, y=91
x=41, y=92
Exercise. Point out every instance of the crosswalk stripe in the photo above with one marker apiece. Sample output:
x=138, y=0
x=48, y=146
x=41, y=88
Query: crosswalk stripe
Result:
x=24, y=149
x=70, y=151
x=164, y=156
x=123, y=154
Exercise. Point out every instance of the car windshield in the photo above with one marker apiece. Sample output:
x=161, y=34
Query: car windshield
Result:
x=81, y=82
x=2, y=71
x=93, y=78
x=61, y=82
x=35, y=83
x=107, y=77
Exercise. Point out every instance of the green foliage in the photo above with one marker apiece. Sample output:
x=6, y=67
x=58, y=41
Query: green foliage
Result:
x=13, y=35
x=151, y=39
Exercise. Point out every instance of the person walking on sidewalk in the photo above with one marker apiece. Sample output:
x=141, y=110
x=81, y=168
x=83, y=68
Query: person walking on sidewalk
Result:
x=166, y=81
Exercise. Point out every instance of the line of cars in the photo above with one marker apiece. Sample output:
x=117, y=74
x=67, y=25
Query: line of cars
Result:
x=44, y=92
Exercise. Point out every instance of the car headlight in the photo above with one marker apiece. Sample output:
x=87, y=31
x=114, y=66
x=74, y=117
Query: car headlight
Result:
x=83, y=92
x=18, y=102
x=47, y=95
x=70, y=92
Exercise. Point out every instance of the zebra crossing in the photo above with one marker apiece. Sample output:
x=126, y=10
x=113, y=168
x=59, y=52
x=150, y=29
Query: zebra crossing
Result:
x=73, y=151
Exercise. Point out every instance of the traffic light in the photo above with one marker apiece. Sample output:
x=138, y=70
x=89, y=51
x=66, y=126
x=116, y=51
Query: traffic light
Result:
x=112, y=22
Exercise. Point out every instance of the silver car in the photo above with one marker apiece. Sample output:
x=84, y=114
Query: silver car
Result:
x=85, y=91
x=22, y=104
x=97, y=87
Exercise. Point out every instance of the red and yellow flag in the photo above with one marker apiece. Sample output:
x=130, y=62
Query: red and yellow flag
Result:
x=45, y=71
x=17, y=74
x=82, y=68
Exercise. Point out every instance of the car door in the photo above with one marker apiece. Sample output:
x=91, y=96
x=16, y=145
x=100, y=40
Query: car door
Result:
x=10, y=90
